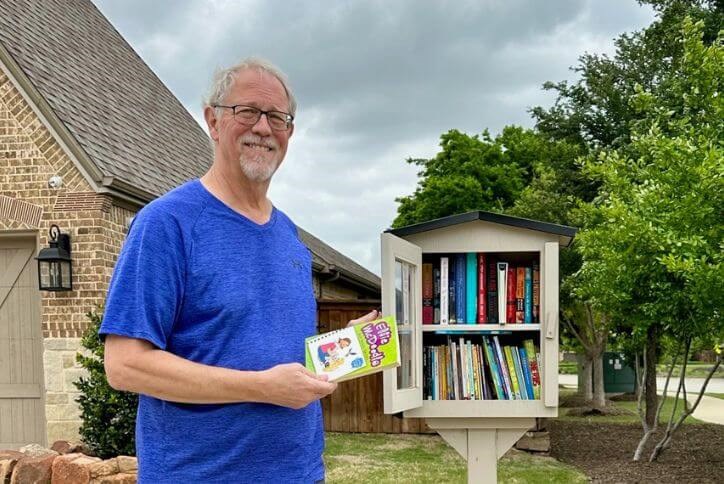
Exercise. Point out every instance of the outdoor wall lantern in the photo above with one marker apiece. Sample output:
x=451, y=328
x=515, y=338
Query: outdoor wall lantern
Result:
x=55, y=271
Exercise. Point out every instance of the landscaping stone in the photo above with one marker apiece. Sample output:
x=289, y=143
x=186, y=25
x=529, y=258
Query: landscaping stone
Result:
x=35, y=470
x=36, y=450
x=73, y=469
x=116, y=479
x=535, y=442
x=8, y=459
x=104, y=468
x=127, y=464
x=68, y=447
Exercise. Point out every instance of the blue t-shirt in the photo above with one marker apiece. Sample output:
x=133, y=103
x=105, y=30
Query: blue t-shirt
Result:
x=199, y=280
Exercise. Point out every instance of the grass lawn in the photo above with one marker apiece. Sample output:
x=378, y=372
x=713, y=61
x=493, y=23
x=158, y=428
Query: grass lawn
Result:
x=694, y=369
x=631, y=416
x=715, y=395
x=364, y=458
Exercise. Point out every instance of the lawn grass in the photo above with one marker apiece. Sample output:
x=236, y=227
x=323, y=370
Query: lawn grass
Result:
x=694, y=369
x=363, y=458
x=632, y=414
x=715, y=395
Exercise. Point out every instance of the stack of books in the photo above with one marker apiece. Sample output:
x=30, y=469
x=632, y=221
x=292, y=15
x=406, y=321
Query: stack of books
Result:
x=461, y=370
x=476, y=288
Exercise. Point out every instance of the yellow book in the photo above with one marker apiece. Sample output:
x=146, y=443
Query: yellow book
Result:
x=512, y=372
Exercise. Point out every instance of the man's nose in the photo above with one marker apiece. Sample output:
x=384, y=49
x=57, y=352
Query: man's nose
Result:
x=262, y=126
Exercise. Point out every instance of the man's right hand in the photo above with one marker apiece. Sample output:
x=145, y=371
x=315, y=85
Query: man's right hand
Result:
x=294, y=386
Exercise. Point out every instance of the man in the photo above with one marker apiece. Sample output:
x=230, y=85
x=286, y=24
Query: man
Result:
x=210, y=303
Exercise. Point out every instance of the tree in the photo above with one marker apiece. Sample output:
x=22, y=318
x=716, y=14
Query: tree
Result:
x=652, y=250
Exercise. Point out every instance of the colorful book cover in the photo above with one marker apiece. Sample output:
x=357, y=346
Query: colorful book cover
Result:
x=492, y=280
x=525, y=364
x=452, y=319
x=482, y=289
x=511, y=371
x=494, y=370
x=460, y=289
x=528, y=295
x=502, y=294
x=503, y=367
x=519, y=373
x=444, y=291
x=465, y=393
x=534, y=370
x=427, y=293
x=510, y=296
x=536, y=293
x=355, y=351
x=471, y=288
x=520, y=294
x=436, y=295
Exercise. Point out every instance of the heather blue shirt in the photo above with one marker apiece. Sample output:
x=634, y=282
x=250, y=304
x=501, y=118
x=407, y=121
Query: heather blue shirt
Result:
x=199, y=280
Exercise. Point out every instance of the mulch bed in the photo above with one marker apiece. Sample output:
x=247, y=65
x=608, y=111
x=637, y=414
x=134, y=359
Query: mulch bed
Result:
x=604, y=451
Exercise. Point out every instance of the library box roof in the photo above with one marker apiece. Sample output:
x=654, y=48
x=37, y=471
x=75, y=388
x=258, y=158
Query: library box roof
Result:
x=565, y=233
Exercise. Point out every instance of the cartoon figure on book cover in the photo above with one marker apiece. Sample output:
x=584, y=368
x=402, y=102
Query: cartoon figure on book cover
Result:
x=339, y=354
x=333, y=353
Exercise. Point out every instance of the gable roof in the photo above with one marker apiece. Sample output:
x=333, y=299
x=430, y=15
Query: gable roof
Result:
x=564, y=232
x=128, y=130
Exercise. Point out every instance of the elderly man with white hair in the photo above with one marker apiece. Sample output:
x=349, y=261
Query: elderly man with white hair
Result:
x=210, y=303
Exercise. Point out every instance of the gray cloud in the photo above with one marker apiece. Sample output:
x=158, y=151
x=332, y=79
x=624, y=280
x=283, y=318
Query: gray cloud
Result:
x=377, y=82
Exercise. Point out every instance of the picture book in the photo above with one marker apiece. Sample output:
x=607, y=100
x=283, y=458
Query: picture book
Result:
x=355, y=351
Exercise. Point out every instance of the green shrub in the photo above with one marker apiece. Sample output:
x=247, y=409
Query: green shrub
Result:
x=109, y=416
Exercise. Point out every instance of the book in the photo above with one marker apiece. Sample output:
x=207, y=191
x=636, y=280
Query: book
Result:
x=452, y=303
x=436, y=295
x=502, y=294
x=427, y=294
x=507, y=355
x=482, y=289
x=494, y=371
x=503, y=368
x=354, y=351
x=471, y=288
x=519, y=294
x=528, y=295
x=519, y=373
x=525, y=364
x=444, y=291
x=536, y=293
x=460, y=289
x=534, y=370
x=492, y=291
x=510, y=296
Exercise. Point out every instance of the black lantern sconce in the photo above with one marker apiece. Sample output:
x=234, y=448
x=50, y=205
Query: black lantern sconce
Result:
x=55, y=271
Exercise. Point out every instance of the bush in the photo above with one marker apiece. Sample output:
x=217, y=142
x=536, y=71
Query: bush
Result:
x=109, y=416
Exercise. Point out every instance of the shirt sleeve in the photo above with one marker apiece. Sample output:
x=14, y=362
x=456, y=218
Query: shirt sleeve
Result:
x=146, y=289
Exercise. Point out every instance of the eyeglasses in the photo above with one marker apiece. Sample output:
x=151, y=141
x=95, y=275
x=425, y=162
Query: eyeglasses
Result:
x=249, y=116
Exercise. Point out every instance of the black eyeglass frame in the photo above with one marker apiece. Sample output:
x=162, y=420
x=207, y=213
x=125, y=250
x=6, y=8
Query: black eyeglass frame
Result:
x=289, y=117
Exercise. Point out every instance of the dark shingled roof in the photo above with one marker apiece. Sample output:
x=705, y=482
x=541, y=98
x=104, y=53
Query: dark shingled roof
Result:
x=127, y=129
x=125, y=119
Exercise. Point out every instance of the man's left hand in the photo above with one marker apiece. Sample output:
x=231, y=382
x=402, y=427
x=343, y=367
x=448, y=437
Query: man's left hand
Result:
x=371, y=316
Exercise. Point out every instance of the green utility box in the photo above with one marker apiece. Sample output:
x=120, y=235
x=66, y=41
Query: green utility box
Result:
x=618, y=374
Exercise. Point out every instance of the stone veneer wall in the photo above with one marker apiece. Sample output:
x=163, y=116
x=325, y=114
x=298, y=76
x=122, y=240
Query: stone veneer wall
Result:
x=29, y=157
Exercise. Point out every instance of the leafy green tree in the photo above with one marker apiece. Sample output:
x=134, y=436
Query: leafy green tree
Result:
x=652, y=248
x=109, y=416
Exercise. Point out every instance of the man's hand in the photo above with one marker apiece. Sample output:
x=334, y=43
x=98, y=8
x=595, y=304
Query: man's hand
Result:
x=292, y=385
x=371, y=316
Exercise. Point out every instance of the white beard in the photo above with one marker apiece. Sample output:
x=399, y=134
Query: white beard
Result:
x=258, y=168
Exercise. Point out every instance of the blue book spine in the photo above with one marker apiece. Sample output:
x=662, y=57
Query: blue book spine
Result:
x=471, y=288
x=519, y=374
x=526, y=372
x=460, y=291
x=528, y=295
x=495, y=375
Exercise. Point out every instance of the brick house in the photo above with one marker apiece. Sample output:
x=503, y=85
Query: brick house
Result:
x=76, y=102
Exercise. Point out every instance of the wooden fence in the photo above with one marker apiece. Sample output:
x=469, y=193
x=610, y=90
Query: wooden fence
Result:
x=357, y=406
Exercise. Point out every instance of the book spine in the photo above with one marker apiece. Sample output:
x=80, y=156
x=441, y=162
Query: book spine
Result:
x=471, y=371
x=444, y=291
x=502, y=287
x=503, y=366
x=519, y=373
x=534, y=370
x=482, y=289
x=452, y=319
x=488, y=353
x=536, y=293
x=510, y=298
x=460, y=288
x=520, y=295
x=492, y=280
x=471, y=288
x=427, y=294
x=465, y=394
x=450, y=389
x=526, y=373
x=528, y=295
x=511, y=371
x=456, y=370
x=436, y=295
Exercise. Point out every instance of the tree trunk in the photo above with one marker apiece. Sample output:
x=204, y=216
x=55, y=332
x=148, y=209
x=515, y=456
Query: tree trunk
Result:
x=599, y=393
x=652, y=350
x=585, y=378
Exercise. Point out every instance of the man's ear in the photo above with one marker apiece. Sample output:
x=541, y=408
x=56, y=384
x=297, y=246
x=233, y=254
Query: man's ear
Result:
x=291, y=130
x=212, y=122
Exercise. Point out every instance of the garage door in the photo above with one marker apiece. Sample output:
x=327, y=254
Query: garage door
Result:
x=22, y=416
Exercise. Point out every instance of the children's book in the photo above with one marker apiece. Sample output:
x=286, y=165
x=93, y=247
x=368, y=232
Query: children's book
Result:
x=355, y=351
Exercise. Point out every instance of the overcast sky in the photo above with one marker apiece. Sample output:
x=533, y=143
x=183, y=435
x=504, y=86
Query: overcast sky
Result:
x=376, y=82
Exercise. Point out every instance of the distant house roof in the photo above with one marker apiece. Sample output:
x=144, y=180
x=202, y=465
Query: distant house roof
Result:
x=565, y=232
x=130, y=134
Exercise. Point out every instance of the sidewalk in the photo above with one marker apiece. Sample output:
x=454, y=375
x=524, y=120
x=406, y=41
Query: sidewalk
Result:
x=710, y=409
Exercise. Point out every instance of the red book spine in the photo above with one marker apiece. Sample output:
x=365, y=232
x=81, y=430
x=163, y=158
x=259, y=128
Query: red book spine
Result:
x=536, y=293
x=482, y=290
x=534, y=375
x=427, y=294
x=520, y=295
x=510, y=296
